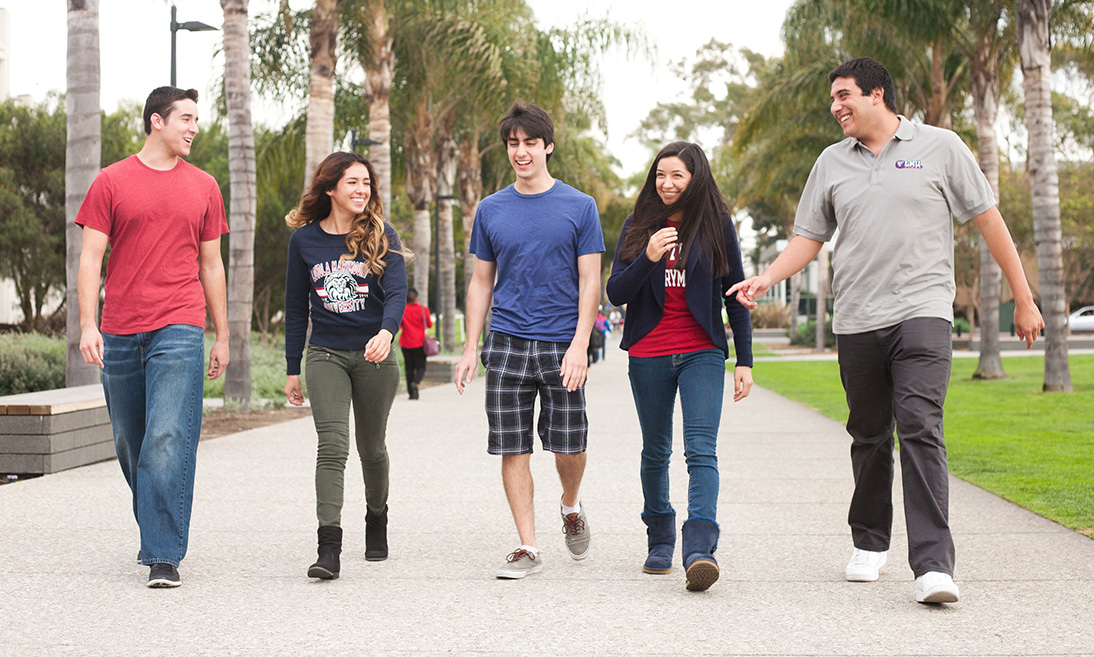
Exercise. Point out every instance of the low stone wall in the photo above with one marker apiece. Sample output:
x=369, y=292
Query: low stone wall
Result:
x=54, y=430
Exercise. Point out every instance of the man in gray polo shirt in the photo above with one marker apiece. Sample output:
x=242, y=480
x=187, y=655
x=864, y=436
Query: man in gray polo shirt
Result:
x=893, y=188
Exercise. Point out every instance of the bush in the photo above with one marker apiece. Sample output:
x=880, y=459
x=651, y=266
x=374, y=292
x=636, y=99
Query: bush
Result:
x=807, y=335
x=961, y=326
x=30, y=362
x=771, y=315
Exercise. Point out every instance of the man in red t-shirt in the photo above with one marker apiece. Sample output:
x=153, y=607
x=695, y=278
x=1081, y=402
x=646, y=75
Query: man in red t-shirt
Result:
x=162, y=219
x=415, y=320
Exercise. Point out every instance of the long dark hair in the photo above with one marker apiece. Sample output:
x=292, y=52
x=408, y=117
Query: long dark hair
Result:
x=367, y=236
x=702, y=206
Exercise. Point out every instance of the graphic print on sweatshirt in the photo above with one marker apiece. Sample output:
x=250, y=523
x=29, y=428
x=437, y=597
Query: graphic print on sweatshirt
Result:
x=336, y=283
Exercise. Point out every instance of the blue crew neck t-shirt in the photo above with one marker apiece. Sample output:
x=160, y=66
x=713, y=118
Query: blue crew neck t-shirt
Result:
x=535, y=240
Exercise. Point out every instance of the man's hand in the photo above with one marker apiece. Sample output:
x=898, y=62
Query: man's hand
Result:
x=1027, y=323
x=378, y=347
x=465, y=369
x=293, y=391
x=575, y=366
x=750, y=289
x=91, y=346
x=218, y=358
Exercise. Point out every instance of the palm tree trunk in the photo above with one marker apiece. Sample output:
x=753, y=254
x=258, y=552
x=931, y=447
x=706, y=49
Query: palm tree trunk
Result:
x=421, y=186
x=83, y=153
x=319, y=133
x=243, y=199
x=1034, y=47
x=448, y=162
x=378, y=81
x=470, y=185
x=985, y=95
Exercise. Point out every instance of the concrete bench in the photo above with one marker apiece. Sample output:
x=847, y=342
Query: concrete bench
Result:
x=441, y=368
x=54, y=430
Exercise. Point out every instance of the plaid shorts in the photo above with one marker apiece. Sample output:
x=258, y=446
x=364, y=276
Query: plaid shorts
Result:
x=516, y=371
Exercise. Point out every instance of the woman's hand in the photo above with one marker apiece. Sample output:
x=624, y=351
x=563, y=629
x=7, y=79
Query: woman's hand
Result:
x=742, y=382
x=660, y=243
x=378, y=347
x=293, y=391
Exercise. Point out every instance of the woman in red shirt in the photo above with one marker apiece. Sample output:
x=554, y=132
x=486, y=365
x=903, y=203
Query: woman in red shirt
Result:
x=677, y=256
x=415, y=320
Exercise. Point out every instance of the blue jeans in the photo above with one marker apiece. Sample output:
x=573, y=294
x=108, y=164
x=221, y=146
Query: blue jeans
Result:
x=153, y=386
x=700, y=378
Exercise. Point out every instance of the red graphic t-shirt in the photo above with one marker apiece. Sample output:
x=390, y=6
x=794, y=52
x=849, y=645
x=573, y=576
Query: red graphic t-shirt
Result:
x=678, y=332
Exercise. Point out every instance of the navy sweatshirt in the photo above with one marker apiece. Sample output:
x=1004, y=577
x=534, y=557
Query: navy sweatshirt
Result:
x=641, y=286
x=349, y=304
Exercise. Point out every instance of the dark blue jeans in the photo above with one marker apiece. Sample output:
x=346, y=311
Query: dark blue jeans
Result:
x=700, y=378
x=153, y=386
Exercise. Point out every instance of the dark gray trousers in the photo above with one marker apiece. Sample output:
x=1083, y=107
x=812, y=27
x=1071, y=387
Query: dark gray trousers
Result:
x=897, y=377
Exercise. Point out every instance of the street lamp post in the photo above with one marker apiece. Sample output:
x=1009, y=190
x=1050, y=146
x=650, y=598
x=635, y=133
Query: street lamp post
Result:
x=191, y=26
x=354, y=142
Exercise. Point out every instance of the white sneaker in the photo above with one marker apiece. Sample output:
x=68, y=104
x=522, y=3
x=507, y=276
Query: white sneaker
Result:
x=935, y=587
x=865, y=566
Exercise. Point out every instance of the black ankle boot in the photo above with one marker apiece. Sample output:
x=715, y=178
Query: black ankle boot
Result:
x=330, y=548
x=375, y=535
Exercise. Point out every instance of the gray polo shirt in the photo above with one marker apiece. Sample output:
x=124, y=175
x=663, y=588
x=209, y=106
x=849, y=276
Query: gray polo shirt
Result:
x=893, y=259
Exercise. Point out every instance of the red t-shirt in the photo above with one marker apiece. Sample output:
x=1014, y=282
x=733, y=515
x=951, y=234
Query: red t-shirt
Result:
x=415, y=319
x=678, y=332
x=155, y=221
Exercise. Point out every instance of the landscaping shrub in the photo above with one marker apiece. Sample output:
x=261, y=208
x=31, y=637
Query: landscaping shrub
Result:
x=30, y=362
x=771, y=315
x=807, y=335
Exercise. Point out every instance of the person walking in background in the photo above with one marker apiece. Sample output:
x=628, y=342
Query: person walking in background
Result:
x=677, y=256
x=162, y=219
x=416, y=319
x=346, y=264
x=537, y=246
x=893, y=188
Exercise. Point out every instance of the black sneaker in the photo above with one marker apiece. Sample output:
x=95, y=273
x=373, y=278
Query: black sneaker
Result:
x=163, y=576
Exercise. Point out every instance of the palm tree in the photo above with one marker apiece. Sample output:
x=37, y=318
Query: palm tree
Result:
x=1034, y=47
x=82, y=162
x=323, y=61
x=244, y=198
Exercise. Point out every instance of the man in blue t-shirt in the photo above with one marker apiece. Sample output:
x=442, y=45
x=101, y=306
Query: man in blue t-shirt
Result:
x=537, y=245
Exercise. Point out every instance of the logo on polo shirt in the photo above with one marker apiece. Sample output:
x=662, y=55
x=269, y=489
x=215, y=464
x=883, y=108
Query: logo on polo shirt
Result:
x=909, y=164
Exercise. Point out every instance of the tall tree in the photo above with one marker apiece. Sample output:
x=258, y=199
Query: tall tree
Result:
x=243, y=200
x=323, y=61
x=83, y=153
x=1034, y=47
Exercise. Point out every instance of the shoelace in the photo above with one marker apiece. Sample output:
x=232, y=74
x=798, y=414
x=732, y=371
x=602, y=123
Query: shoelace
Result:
x=572, y=524
x=861, y=559
x=518, y=554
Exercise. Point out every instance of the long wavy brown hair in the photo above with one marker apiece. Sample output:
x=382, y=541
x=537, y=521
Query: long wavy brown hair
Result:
x=367, y=237
x=702, y=207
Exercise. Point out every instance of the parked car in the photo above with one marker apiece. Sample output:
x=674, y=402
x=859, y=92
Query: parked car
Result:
x=1082, y=320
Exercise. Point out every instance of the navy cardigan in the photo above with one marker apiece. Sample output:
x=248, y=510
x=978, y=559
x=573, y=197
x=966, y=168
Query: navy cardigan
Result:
x=641, y=286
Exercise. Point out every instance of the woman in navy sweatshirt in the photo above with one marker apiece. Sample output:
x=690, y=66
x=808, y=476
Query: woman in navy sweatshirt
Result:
x=346, y=264
x=677, y=256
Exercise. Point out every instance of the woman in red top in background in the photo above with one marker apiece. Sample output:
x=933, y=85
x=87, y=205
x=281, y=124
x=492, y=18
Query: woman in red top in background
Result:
x=415, y=320
x=677, y=256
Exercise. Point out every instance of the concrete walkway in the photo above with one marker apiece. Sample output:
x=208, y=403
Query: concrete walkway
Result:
x=69, y=584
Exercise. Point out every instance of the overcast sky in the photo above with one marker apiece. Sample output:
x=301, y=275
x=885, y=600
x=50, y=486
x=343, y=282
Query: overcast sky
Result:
x=136, y=49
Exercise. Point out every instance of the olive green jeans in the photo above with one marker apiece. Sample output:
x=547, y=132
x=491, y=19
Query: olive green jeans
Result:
x=336, y=379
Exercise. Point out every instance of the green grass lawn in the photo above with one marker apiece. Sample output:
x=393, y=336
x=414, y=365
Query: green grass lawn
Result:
x=1035, y=449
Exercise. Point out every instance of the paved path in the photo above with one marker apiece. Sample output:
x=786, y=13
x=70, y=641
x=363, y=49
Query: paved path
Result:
x=69, y=584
